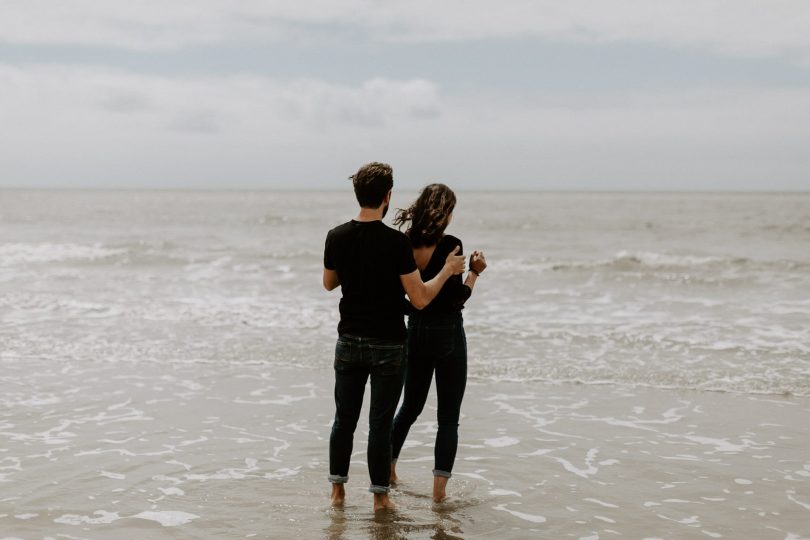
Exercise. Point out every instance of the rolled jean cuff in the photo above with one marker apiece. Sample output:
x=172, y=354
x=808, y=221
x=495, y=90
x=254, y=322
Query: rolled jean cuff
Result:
x=445, y=474
x=337, y=479
x=378, y=489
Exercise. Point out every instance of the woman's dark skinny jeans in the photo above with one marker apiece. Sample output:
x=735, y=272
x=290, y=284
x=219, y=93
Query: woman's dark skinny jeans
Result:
x=435, y=344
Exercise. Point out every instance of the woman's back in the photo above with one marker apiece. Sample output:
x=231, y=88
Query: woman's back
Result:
x=430, y=260
x=422, y=255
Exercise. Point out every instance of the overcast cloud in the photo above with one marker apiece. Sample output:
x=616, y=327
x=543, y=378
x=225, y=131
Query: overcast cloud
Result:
x=542, y=95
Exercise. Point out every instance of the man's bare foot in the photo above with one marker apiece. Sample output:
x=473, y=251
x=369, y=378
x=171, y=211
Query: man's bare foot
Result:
x=439, y=485
x=382, y=502
x=393, y=479
x=338, y=495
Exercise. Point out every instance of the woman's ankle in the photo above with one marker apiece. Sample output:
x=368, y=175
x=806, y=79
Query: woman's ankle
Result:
x=439, y=488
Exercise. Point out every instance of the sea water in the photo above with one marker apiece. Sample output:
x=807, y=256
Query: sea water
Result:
x=639, y=366
x=698, y=291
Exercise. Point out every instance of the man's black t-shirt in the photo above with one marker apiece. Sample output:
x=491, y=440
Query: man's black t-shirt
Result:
x=369, y=257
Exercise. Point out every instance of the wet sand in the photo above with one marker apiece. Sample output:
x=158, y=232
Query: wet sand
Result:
x=103, y=450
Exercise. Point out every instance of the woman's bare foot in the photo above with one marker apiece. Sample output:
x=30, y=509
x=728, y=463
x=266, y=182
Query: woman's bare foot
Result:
x=382, y=502
x=439, y=485
x=393, y=479
x=338, y=494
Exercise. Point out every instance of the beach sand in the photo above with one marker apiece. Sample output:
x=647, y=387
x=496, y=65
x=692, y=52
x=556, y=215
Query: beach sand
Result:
x=103, y=450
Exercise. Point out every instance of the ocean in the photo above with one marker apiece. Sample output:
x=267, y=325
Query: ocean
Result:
x=639, y=366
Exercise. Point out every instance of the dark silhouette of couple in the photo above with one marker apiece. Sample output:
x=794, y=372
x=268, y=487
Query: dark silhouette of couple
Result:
x=375, y=266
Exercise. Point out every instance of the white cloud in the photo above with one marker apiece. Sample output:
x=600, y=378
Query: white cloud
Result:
x=374, y=103
x=36, y=96
x=84, y=125
x=735, y=27
x=93, y=126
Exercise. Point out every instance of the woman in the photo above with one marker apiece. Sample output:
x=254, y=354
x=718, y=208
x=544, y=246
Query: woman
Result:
x=436, y=340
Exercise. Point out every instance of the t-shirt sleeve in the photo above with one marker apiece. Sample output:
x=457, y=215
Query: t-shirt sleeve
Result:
x=328, y=258
x=405, y=261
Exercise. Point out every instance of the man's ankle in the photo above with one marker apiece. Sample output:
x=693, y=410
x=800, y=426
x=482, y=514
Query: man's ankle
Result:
x=338, y=495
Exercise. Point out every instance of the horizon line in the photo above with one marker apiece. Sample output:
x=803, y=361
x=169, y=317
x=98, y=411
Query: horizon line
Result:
x=396, y=188
x=752, y=191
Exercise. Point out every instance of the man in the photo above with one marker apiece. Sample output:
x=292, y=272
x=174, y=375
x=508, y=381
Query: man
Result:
x=374, y=266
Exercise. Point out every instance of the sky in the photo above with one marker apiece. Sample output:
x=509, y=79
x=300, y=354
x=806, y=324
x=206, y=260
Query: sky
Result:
x=548, y=95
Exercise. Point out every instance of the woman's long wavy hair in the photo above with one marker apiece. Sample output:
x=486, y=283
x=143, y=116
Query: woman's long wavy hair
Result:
x=428, y=216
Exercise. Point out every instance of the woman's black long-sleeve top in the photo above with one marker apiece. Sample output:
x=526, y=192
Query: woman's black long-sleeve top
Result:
x=454, y=293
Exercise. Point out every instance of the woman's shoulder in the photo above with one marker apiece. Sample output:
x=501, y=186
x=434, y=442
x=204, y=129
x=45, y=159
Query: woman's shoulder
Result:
x=448, y=242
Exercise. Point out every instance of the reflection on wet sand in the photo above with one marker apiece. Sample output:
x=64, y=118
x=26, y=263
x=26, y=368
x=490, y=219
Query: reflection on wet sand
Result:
x=106, y=450
x=388, y=525
x=447, y=527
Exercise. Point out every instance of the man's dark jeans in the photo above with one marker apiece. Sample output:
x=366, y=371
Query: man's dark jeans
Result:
x=356, y=359
x=436, y=343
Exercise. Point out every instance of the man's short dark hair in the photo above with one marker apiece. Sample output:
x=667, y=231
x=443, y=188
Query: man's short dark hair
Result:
x=372, y=183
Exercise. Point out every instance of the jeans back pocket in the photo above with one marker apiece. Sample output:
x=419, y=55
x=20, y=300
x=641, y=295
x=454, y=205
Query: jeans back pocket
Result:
x=343, y=354
x=388, y=359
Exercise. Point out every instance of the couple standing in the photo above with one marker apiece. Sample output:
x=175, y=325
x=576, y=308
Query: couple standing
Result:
x=375, y=266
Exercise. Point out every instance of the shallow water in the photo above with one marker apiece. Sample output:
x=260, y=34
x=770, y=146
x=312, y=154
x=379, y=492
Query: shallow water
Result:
x=165, y=369
x=210, y=451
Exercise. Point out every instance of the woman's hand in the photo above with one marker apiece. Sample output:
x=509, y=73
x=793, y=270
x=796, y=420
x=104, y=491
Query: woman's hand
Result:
x=478, y=263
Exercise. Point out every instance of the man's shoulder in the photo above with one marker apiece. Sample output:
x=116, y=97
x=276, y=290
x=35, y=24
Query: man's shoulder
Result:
x=396, y=233
x=382, y=232
x=398, y=238
x=340, y=229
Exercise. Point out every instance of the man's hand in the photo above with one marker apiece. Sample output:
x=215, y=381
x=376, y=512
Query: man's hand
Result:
x=478, y=263
x=455, y=263
x=421, y=294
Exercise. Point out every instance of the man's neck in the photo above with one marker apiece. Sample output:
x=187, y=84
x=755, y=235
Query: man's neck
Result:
x=370, y=214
